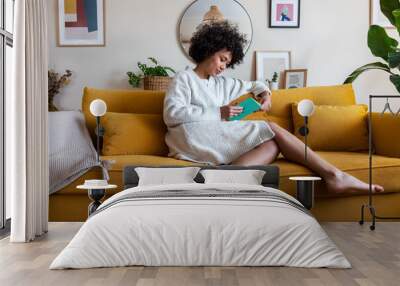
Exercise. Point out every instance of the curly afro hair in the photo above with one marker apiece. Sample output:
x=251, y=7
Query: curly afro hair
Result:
x=211, y=38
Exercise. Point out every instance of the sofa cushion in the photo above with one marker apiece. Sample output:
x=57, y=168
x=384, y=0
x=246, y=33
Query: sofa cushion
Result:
x=281, y=111
x=335, y=128
x=386, y=134
x=124, y=101
x=131, y=134
x=325, y=95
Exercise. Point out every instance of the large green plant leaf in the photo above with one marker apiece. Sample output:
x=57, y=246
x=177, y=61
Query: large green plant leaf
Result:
x=387, y=8
x=371, y=66
x=380, y=43
x=169, y=69
x=395, y=79
x=394, y=59
x=396, y=14
x=153, y=60
x=134, y=79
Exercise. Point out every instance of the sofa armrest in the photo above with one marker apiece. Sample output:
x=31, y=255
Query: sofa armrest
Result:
x=386, y=134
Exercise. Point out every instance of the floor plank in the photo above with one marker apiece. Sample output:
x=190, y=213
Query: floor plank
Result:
x=375, y=257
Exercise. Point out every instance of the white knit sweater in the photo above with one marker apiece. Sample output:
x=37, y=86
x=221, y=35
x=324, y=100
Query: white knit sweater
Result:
x=195, y=129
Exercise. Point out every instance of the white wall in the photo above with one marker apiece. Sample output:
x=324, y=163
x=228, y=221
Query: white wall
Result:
x=330, y=43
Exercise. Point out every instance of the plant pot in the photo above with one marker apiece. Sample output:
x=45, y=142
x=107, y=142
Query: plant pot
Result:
x=274, y=85
x=156, y=82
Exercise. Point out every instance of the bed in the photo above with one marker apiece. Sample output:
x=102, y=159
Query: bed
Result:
x=201, y=224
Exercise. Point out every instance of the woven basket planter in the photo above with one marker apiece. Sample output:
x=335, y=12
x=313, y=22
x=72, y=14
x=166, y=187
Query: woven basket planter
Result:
x=156, y=82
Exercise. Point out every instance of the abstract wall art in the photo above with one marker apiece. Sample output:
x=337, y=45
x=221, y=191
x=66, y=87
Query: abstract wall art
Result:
x=81, y=23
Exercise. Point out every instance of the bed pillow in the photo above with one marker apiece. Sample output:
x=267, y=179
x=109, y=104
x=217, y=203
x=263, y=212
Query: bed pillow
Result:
x=133, y=134
x=248, y=177
x=335, y=128
x=164, y=176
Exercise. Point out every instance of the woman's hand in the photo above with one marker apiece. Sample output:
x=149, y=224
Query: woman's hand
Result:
x=229, y=111
x=266, y=101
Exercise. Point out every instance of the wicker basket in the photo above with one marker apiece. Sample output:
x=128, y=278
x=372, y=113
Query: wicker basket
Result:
x=156, y=82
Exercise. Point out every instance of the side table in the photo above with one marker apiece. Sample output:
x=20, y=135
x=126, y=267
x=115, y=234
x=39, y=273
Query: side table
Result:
x=305, y=190
x=95, y=193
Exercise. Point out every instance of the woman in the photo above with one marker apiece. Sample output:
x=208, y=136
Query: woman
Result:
x=196, y=111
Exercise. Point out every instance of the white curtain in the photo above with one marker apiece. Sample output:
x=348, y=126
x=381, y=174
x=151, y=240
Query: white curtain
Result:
x=26, y=124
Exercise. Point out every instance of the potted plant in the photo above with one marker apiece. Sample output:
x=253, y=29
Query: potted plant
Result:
x=383, y=46
x=273, y=83
x=55, y=83
x=154, y=77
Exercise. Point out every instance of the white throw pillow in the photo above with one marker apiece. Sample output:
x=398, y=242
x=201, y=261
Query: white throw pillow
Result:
x=163, y=176
x=248, y=177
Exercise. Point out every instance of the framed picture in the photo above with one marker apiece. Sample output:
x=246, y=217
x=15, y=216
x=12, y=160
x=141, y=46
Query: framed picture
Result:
x=295, y=78
x=376, y=17
x=270, y=66
x=284, y=13
x=80, y=23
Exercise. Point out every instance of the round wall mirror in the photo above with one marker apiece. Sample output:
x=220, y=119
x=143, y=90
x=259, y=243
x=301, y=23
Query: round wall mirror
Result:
x=209, y=11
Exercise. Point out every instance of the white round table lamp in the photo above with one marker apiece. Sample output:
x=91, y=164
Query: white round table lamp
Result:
x=98, y=108
x=305, y=108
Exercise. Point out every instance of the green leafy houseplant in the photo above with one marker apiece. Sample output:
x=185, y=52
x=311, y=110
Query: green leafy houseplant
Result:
x=383, y=46
x=273, y=82
x=146, y=71
x=275, y=77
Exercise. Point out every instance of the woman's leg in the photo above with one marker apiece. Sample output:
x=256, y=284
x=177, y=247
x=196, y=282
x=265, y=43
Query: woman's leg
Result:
x=292, y=149
x=337, y=181
x=263, y=154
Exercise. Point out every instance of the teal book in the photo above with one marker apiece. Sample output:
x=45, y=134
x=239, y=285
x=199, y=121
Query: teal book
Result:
x=249, y=106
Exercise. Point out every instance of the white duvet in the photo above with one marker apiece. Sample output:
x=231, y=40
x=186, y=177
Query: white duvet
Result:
x=188, y=231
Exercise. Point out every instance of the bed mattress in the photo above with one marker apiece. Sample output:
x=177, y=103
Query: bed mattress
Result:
x=201, y=225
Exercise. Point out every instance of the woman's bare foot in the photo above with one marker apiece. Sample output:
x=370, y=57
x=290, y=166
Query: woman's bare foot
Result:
x=343, y=183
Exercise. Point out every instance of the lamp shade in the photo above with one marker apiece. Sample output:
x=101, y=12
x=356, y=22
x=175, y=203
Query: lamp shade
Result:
x=213, y=15
x=305, y=107
x=98, y=107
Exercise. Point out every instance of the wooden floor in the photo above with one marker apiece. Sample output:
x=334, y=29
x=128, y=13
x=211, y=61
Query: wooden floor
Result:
x=375, y=257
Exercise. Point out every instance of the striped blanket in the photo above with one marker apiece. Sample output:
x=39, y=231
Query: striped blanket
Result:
x=71, y=151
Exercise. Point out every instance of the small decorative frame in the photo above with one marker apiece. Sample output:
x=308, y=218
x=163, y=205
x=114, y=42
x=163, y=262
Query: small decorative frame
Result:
x=376, y=17
x=80, y=23
x=268, y=62
x=284, y=13
x=295, y=78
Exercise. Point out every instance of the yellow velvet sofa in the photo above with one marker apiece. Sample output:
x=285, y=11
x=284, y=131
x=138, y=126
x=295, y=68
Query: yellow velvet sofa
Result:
x=70, y=204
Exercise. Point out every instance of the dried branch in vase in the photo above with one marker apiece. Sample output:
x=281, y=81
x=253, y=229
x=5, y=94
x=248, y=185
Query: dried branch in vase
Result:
x=55, y=84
